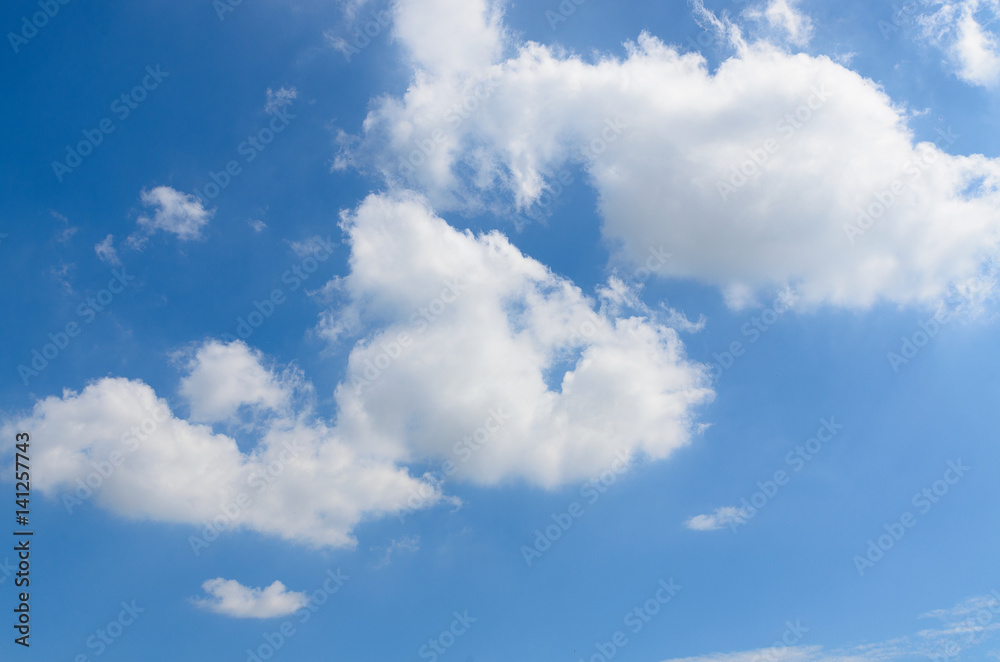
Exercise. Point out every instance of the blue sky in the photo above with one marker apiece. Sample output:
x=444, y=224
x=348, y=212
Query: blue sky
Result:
x=468, y=338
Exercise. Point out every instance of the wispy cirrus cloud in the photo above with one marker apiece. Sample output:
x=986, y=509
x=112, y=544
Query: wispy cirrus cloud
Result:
x=730, y=516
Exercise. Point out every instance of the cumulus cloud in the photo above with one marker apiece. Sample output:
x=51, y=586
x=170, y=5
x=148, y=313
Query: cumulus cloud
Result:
x=230, y=598
x=722, y=517
x=485, y=357
x=774, y=170
x=106, y=252
x=223, y=378
x=960, y=29
x=480, y=355
x=300, y=480
x=175, y=212
x=449, y=37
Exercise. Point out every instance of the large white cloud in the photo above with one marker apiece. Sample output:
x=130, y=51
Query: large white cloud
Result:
x=118, y=439
x=473, y=334
x=836, y=199
x=482, y=357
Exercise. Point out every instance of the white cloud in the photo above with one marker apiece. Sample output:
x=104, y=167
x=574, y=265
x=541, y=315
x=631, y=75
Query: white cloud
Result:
x=450, y=37
x=662, y=139
x=785, y=17
x=969, y=606
x=501, y=354
x=224, y=377
x=404, y=544
x=300, y=481
x=283, y=97
x=230, y=598
x=468, y=326
x=175, y=212
x=960, y=29
x=966, y=626
x=722, y=517
x=777, y=654
x=106, y=252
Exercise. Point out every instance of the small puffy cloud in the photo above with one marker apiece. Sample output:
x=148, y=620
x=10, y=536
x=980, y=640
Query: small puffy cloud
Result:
x=960, y=29
x=785, y=17
x=282, y=97
x=224, y=377
x=722, y=517
x=230, y=598
x=106, y=252
x=175, y=212
x=257, y=225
